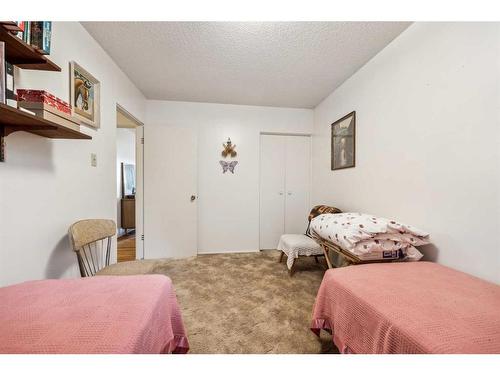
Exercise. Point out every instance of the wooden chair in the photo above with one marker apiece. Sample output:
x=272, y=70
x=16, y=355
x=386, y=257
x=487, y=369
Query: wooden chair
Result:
x=91, y=241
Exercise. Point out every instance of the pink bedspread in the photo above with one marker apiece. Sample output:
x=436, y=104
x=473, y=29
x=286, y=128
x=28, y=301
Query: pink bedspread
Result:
x=417, y=307
x=102, y=314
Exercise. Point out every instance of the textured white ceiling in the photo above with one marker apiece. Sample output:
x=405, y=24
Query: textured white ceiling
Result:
x=283, y=64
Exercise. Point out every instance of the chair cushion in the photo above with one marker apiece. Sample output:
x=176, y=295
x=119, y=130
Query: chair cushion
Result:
x=295, y=245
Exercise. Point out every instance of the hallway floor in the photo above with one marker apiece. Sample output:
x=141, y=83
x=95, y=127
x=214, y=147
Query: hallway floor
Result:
x=126, y=248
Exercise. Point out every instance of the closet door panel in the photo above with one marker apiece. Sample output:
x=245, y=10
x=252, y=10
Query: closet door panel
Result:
x=272, y=190
x=298, y=177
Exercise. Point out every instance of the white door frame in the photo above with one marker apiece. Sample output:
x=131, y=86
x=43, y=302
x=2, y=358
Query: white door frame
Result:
x=139, y=176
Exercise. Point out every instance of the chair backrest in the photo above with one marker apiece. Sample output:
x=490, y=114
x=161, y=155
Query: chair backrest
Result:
x=91, y=240
x=320, y=210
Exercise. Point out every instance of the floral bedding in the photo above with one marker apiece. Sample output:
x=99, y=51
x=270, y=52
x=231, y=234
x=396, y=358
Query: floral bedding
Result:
x=369, y=237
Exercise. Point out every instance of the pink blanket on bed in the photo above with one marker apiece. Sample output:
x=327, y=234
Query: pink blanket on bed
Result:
x=417, y=307
x=102, y=314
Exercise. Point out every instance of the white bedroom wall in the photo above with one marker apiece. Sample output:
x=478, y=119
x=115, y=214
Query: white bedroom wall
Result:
x=45, y=185
x=228, y=205
x=428, y=132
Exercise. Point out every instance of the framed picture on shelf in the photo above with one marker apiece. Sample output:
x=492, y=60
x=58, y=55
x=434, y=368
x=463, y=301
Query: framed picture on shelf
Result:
x=84, y=96
x=344, y=142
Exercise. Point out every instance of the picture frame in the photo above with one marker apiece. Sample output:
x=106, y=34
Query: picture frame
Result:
x=128, y=180
x=344, y=142
x=85, y=96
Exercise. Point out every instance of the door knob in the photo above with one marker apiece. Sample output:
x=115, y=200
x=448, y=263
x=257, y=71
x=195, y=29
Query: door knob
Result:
x=193, y=197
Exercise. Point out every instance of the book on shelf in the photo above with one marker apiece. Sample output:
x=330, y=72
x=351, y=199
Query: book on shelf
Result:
x=27, y=32
x=63, y=121
x=2, y=72
x=22, y=26
x=11, y=103
x=10, y=94
x=50, y=113
x=40, y=36
x=26, y=111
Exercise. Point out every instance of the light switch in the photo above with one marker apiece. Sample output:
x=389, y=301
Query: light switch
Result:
x=93, y=160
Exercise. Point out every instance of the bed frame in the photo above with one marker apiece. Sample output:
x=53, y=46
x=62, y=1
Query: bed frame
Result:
x=348, y=258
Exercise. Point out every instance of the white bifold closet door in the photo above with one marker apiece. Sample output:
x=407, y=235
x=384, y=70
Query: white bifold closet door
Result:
x=297, y=183
x=285, y=173
x=272, y=189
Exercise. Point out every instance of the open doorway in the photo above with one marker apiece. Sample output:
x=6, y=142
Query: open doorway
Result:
x=129, y=173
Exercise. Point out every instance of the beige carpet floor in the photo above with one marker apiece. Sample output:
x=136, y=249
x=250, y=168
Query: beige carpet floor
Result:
x=243, y=303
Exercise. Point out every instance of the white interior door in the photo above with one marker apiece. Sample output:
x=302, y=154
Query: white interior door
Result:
x=170, y=213
x=297, y=183
x=272, y=189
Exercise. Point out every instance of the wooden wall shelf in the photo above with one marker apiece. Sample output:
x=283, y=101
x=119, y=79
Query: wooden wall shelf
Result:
x=21, y=54
x=24, y=56
x=12, y=120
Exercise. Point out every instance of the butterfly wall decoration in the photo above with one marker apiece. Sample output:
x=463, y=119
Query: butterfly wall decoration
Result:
x=228, y=166
x=228, y=149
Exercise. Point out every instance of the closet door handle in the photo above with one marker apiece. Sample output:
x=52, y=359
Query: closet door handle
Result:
x=289, y=193
x=280, y=193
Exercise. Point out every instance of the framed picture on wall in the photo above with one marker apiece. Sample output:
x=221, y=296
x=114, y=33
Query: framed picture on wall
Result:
x=344, y=142
x=84, y=96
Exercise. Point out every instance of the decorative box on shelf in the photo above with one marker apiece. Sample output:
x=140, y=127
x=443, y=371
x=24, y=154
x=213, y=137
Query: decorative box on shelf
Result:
x=42, y=96
x=48, y=107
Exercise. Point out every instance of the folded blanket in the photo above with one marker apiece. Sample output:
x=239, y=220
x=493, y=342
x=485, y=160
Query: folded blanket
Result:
x=370, y=237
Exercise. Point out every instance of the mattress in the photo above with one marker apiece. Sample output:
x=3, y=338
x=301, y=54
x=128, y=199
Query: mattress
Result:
x=102, y=314
x=415, y=307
